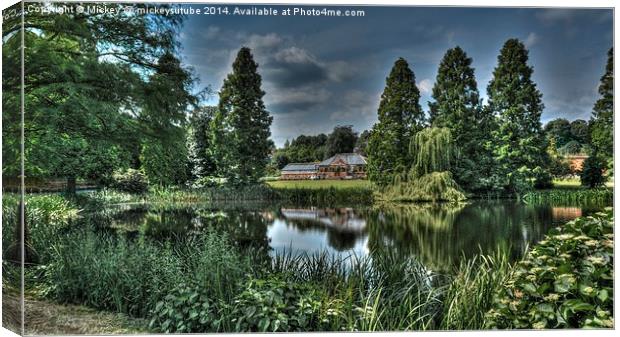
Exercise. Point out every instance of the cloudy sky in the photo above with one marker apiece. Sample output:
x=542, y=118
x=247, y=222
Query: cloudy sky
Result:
x=319, y=72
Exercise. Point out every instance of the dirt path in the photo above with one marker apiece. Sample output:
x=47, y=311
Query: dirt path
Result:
x=45, y=318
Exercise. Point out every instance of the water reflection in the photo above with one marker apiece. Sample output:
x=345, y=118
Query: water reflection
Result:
x=438, y=235
x=312, y=229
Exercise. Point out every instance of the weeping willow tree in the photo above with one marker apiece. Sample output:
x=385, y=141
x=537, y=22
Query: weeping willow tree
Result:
x=433, y=152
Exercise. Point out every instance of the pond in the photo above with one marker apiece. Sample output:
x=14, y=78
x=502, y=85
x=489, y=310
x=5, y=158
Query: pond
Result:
x=438, y=235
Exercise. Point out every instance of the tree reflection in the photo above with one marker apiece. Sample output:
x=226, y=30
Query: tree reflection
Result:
x=439, y=235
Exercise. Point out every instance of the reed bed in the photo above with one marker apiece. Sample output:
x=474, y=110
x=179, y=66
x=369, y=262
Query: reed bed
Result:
x=223, y=194
x=580, y=196
x=163, y=281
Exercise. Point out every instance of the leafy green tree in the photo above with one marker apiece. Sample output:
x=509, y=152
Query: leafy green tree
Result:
x=87, y=80
x=341, y=140
x=601, y=124
x=240, y=135
x=400, y=117
x=167, y=97
x=579, y=131
x=570, y=148
x=433, y=151
x=456, y=106
x=455, y=92
x=520, y=145
x=281, y=159
x=569, y=137
x=592, y=172
x=362, y=143
x=560, y=130
x=306, y=148
x=165, y=162
x=558, y=166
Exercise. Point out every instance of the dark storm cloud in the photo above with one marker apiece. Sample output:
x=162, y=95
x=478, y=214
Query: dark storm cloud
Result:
x=319, y=72
x=295, y=67
x=294, y=79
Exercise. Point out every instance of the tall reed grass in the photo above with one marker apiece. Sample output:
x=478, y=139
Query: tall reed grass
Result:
x=326, y=196
x=258, y=192
x=581, y=196
x=473, y=288
x=46, y=216
x=110, y=272
x=383, y=291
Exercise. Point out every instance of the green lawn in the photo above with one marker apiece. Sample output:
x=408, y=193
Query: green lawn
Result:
x=575, y=183
x=317, y=184
x=567, y=183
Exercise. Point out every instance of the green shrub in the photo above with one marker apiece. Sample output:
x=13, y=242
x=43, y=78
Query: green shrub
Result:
x=101, y=198
x=9, y=220
x=185, y=309
x=113, y=273
x=130, y=180
x=566, y=281
x=109, y=273
x=272, y=304
x=208, y=181
x=542, y=178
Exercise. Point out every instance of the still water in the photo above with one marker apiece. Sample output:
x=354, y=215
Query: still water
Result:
x=438, y=235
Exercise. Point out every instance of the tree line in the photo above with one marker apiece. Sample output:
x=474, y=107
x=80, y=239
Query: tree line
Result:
x=501, y=146
x=314, y=148
x=107, y=95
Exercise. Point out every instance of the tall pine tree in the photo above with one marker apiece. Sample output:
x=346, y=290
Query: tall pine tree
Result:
x=520, y=144
x=400, y=117
x=601, y=124
x=240, y=136
x=456, y=106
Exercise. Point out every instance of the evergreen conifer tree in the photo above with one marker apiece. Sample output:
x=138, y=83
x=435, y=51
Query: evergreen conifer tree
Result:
x=456, y=106
x=601, y=124
x=240, y=128
x=520, y=144
x=400, y=117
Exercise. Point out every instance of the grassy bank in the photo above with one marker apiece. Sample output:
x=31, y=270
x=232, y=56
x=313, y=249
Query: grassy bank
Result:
x=575, y=183
x=48, y=318
x=324, y=192
x=319, y=184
